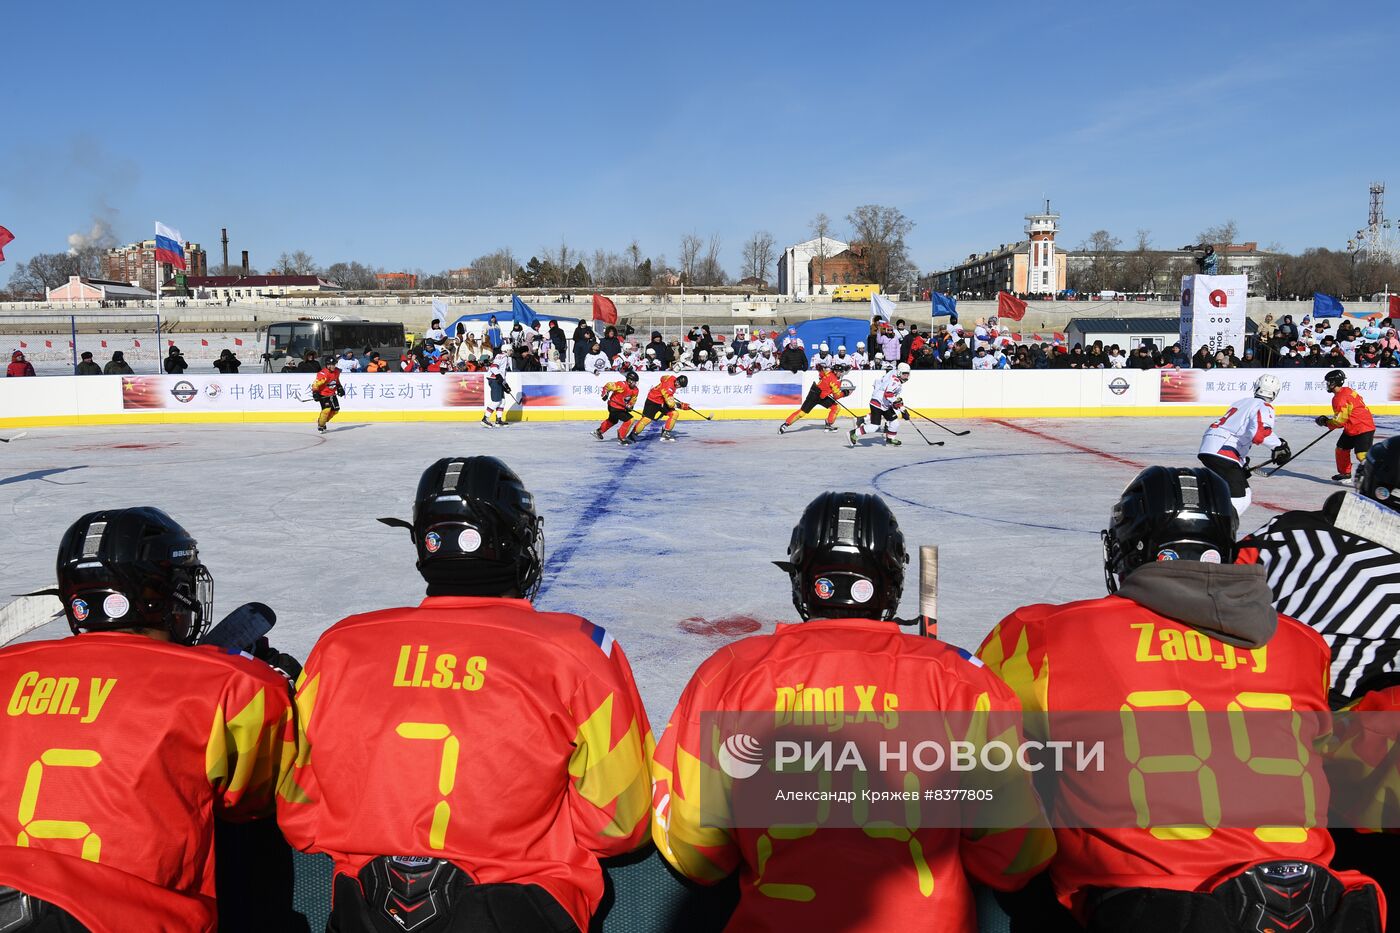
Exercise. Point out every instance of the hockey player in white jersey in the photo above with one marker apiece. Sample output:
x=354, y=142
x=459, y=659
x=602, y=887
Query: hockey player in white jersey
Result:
x=822, y=358
x=886, y=406
x=496, y=391
x=860, y=359
x=730, y=362
x=705, y=363
x=767, y=361
x=1225, y=446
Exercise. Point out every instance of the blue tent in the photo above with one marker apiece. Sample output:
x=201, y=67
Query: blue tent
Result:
x=483, y=317
x=832, y=331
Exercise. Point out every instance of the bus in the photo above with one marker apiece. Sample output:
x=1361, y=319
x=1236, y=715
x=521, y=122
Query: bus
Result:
x=288, y=341
x=854, y=292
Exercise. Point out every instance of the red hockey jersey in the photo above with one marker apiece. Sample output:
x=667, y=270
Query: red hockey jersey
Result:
x=118, y=752
x=509, y=741
x=1117, y=656
x=803, y=878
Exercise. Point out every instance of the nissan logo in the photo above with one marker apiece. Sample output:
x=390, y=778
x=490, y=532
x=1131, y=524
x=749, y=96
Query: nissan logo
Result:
x=183, y=391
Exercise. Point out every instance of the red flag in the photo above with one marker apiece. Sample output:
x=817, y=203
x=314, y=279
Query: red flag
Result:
x=49, y=344
x=104, y=344
x=1037, y=338
x=604, y=310
x=1010, y=306
x=203, y=343
x=237, y=342
x=136, y=342
x=170, y=343
x=6, y=238
x=1017, y=338
x=23, y=345
x=1394, y=309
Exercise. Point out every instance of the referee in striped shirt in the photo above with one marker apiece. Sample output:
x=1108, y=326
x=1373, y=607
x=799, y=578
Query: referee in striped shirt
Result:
x=1339, y=582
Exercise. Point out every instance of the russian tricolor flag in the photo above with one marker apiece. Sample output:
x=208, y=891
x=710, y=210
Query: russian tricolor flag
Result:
x=169, y=246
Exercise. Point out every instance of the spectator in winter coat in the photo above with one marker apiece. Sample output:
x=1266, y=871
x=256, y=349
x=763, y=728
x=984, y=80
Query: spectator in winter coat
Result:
x=309, y=363
x=435, y=334
x=888, y=343
x=228, y=364
x=557, y=338
x=610, y=345
x=584, y=337
x=794, y=358
x=1204, y=359
x=596, y=361
x=664, y=356
x=174, y=361
x=86, y=367
x=19, y=366
x=117, y=366
x=704, y=342
x=377, y=364
x=493, y=334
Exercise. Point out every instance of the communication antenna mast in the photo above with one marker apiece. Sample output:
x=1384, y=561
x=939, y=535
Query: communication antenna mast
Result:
x=1376, y=241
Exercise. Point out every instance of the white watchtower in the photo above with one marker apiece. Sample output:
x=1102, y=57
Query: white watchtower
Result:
x=1042, y=277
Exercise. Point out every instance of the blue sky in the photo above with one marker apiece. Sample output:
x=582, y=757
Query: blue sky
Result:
x=415, y=134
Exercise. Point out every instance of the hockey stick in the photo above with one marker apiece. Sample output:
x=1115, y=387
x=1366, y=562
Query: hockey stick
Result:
x=15, y=437
x=1291, y=458
x=702, y=414
x=241, y=629
x=26, y=613
x=928, y=589
x=936, y=424
x=860, y=420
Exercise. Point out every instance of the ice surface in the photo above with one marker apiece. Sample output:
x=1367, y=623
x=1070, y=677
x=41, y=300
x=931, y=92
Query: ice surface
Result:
x=659, y=543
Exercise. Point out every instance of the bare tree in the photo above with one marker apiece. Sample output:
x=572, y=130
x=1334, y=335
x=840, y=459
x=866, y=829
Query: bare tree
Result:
x=708, y=270
x=1145, y=265
x=639, y=273
x=821, y=231
x=691, y=244
x=298, y=262
x=880, y=231
x=758, y=256
x=1105, y=264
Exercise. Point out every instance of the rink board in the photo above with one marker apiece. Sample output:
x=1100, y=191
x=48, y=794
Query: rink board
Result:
x=285, y=398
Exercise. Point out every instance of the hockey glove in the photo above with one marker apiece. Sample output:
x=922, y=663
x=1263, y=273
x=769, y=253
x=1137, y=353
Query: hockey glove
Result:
x=340, y=390
x=1323, y=421
x=904, y=413
x=281, y=662
x=1281, y=454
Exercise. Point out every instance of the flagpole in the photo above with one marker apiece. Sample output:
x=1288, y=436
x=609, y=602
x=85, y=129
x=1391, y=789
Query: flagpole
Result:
x=155, y=254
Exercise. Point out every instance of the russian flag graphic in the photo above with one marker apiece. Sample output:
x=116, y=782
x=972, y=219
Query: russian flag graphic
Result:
x=781, y=393
x=169, y=246
x=542, y=395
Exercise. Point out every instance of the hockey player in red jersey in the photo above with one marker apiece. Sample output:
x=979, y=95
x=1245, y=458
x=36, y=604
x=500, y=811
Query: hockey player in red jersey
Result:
x=826, y=391
x=1349, y=412
x=327, y=390
x=469, y=758
x=1183, y=630
x=846, y=565
x=124, y=743
x=661, y=402
x=620, y=395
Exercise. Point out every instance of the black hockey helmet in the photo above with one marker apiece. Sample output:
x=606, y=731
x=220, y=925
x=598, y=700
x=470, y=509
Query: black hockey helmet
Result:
x=1169, y=513
x=476, y=529
x=632, y=376
x=846, y=558
x=1335, y=378
x=1378, y=476
x=134, y=568
x=682, y=380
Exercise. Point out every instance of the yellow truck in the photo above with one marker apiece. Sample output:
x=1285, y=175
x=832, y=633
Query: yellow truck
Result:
x=854, y=292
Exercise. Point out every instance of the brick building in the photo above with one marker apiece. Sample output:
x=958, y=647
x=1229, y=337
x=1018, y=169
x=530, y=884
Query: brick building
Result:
x=135, y=263
x=841, y=269
x=396, y=279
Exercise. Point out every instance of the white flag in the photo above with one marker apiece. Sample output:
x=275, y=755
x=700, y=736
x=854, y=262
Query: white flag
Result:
x=440, y=308
x=880, y=308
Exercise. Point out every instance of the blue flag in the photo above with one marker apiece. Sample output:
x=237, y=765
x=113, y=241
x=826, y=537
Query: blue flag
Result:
x=521, y=313
x=945, y=304
x=1326, y=306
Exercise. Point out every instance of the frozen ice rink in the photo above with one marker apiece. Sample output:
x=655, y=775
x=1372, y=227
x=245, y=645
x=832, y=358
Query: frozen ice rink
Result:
x=666, y=545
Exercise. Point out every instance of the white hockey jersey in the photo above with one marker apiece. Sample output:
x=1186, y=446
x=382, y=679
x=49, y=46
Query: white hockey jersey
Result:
x=821, y=359
x=595, y=363
x=885, y=395
x=766, y=362
x=859, y=360
x=1249, y=421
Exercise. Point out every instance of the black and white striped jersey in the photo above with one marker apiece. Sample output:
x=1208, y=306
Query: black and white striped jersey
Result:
x=1345, y=587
